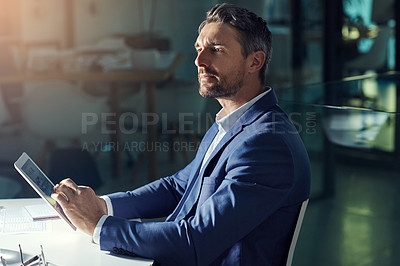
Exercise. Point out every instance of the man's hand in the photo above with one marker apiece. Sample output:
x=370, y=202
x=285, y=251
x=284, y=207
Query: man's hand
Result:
x=80, y=204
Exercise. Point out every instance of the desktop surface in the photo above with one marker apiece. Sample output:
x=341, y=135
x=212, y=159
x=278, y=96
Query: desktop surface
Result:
x=62, y=245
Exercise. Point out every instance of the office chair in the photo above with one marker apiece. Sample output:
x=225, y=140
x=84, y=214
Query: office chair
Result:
x=296, y=232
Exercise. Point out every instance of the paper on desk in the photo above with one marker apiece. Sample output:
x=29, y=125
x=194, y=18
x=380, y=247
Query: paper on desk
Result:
x=41, y=212
x=17, y=220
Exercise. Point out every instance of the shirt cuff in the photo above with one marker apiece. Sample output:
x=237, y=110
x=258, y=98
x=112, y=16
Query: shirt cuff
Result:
x=99, y=225
x=97, y=230
x=110, y=209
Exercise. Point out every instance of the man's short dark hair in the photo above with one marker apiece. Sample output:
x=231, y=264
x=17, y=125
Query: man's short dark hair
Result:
x=254, y=34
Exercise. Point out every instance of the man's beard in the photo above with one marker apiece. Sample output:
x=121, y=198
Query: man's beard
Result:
x=223, y=89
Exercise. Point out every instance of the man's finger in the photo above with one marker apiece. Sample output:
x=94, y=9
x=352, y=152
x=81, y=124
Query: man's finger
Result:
x=66, y=191
x=69, y=183
x=59, y=198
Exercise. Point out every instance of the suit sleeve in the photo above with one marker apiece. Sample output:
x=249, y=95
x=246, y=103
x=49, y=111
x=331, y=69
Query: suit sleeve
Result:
x=157, y=199
x=259, y=177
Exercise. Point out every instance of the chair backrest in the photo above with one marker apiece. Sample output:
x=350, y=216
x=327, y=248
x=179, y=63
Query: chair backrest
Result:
x=296, y=233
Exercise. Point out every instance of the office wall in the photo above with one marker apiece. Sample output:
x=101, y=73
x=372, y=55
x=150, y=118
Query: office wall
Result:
x=42, y=20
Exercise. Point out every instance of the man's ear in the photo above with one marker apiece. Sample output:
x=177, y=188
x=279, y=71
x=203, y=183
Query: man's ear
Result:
x=257, y=60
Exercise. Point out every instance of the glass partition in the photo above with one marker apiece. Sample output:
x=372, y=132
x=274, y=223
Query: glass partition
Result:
x=354, y=120
x=350, y=129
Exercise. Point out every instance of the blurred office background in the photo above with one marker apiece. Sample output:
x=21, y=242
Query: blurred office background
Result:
x=106, y=92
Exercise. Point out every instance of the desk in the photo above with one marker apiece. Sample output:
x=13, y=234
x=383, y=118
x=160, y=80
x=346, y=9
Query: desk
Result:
x=149, y=77
x=62, y=246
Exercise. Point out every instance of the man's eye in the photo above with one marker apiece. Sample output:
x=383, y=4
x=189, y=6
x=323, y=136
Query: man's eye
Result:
x=217, y=49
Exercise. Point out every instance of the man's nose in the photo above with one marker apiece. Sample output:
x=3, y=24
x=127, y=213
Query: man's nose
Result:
x=202, y=59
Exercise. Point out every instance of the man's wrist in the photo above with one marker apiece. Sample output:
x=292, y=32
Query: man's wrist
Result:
x=97, y=229
x=110, y=210
x=103, y=205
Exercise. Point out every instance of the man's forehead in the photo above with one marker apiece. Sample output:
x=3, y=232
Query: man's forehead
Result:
x=209, y=41
x=216, y=34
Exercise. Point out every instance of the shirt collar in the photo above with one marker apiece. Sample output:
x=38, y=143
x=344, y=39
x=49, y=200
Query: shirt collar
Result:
x=225, y=122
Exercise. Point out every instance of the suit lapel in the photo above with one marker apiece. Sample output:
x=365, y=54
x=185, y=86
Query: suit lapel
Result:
x=194, y=175
x=252, y=114
x=193, y=191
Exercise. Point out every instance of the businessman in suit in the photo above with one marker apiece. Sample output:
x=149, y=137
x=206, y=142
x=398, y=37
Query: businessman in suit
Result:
x=238, y=201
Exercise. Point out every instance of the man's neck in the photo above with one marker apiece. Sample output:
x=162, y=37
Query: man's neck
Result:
x=241, y=97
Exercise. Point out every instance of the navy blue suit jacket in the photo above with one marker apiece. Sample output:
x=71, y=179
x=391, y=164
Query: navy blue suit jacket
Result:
x=240, y=209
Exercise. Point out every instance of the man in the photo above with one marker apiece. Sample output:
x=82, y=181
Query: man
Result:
x=238, y=201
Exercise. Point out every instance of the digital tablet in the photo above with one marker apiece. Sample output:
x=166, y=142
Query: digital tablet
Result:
x=40, y=183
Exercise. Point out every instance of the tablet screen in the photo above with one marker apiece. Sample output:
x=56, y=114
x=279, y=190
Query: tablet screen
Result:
x=40, y=183
x=39, y=179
